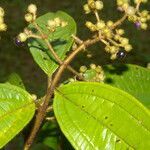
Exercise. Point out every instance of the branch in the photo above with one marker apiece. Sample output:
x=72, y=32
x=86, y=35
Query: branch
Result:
x=42, y=110
x=44, y=37
x=119, y=22
x=63, y=65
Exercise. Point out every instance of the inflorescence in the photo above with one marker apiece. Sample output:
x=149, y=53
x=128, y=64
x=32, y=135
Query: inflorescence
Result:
x=3, y=26
x=30, y=17
x=113, y=38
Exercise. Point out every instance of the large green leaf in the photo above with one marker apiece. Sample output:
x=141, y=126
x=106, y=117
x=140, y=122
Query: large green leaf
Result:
x=132, y=79
x=96, y=116
x=16, y=110
x=61, y=41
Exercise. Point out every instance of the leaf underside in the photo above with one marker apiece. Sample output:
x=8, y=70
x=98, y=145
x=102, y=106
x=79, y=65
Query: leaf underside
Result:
x=61, y=41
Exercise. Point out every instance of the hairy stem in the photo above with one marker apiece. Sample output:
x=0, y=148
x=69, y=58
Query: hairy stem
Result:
x=119, y=22
x=44, y=37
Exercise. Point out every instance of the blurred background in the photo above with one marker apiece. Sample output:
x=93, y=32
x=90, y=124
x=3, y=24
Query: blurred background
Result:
x=19, y=60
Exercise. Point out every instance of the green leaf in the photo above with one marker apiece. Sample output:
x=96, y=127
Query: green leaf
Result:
x=61, y=41
x=97, y=116
x=49, y=135
x=15, y=79
x=40, y=146
x=16, y=110
x=132, y=79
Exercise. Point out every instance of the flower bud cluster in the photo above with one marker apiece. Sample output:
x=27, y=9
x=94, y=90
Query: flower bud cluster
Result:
x=30, y=16
x=3, y=26
x=56, y=22
x=113, y=39
x=93, y=5
x=116, y=43
x=140, y=18
x=94, y=73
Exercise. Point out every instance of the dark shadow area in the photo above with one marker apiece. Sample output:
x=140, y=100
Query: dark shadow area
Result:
x=116, y=69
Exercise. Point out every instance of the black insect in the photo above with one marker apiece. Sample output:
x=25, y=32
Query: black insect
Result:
x=121, y=54
x=18, y=42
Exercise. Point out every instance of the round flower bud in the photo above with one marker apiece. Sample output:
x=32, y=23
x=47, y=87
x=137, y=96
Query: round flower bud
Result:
x=144, y=13
x=144, y=26
x=1, y=20
x=120, y=2
x=29, y=17
x=143, y=20
x=34, y=97
x=98, y=69
x=22, y=37
x=86, y=9
x=125, y=6
x=92, y=5
x=32, y=8
x=113, y=57
x=71, y=80
x=130, y=10
x=51, y=23
x=124, y=41
x=64, y=23
x=93, y=66
x=148, y=17
x=57, y=21
x=3, y=27
x=83, y=69
x=144, y=1
x=110, y=23
x=2, y=13
x=120, y=31
x=128, y=47
x=113, y=49
x=90, y=26
x=99, y=5
x=117, y=37
x=100, y=25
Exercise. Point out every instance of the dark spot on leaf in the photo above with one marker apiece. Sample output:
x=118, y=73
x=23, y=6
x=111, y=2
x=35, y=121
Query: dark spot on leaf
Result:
x=83, y=106
x=106, y=117
x=118, y=140
x=58, y=42
x=111, y=124
x=44, y=58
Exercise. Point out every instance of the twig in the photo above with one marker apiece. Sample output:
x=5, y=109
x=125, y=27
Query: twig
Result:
x=77, y=40
x=119, y=22
x=97, y=15
x=54, y=53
